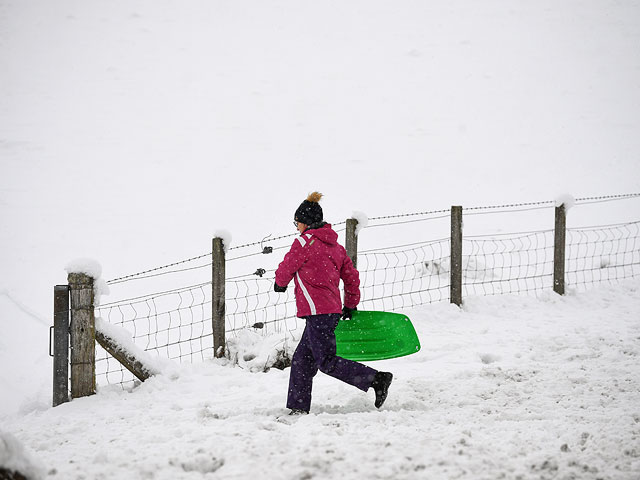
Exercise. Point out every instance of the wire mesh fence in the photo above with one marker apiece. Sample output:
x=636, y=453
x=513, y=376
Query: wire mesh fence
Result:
x=174, y=325
x=252, y=303
x=520, y=263
x=603, y=254
x=403, y=277
x=177, y=323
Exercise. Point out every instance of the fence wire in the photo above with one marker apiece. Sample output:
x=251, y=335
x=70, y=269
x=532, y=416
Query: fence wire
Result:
x=176, y=323
x=522, y=263
x=403, y=277
x=602, y=254
x=252, y=303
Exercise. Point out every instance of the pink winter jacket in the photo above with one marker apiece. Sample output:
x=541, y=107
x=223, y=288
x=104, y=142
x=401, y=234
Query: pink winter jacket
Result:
x=317, y=263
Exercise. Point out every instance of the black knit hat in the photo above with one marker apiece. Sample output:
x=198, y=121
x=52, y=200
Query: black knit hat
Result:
x=310, y=212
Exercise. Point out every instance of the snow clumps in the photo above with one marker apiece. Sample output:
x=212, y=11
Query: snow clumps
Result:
x=226, y=237
x=363, y=220
x=87, y=266
x=15, y=459
x=92, y=269
x=565, y=199
x=256, y=353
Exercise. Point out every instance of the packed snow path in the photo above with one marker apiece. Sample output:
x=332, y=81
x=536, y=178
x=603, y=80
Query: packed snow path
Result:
x=507, y=387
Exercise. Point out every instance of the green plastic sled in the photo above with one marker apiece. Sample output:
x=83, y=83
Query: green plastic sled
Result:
x=376, y=336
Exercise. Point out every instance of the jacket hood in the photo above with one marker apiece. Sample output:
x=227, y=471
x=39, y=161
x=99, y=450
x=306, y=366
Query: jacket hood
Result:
x=325, y=234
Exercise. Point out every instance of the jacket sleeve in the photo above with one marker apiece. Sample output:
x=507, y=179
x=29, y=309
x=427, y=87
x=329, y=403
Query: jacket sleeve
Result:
x=351, y=279
x=292, y=262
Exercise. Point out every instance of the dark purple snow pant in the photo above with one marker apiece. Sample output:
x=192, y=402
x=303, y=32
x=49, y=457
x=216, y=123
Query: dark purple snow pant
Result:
x=317, y=351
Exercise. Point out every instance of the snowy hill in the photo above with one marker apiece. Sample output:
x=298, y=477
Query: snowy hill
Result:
x=25, y=376
x=508, y=387
x=131, y=131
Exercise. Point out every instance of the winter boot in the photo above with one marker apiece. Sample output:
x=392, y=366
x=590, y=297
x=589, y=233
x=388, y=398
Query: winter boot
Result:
x=297, y=411
x=380, y=385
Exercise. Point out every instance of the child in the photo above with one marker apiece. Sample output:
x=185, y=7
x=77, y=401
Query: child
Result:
x=317, y=262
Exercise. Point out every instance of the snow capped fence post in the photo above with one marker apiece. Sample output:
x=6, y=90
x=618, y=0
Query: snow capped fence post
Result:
x=83, y=335
x=60, y=344
x=559, y=249
x=218, y=306
x=456, y=256
x=351, y=243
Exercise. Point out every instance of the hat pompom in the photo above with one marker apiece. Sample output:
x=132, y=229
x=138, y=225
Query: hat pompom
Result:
x=314, y=197
x=310, y=212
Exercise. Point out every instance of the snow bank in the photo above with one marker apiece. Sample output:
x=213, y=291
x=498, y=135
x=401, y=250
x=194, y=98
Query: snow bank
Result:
x=25, y=365
x=508, y=387
x=258, y=353
x=473, y=268
x=14, y=458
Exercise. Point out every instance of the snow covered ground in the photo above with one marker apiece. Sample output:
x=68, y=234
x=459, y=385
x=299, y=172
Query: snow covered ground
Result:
x=507, y=387
x=131, y=131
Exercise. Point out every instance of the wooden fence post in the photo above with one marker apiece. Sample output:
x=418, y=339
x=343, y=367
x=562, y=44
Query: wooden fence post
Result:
x=559, y=249
x=60, y=344
x=351, y=243
x=83, y=335
x=128, y=359
x=218, y=306
x=456, y=255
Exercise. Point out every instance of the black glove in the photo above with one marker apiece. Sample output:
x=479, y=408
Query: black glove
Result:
x=347, y=313
x=279, y=289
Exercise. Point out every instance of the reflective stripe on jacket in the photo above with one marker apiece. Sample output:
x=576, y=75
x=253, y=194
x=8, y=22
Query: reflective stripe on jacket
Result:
x=316, y=262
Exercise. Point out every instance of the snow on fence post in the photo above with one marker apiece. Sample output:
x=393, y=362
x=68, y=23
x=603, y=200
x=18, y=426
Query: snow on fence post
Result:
x=218, y=306
x=351, y=243
x=456, y=256
x=559, y=249
x=83, y=335
x=60, y=344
